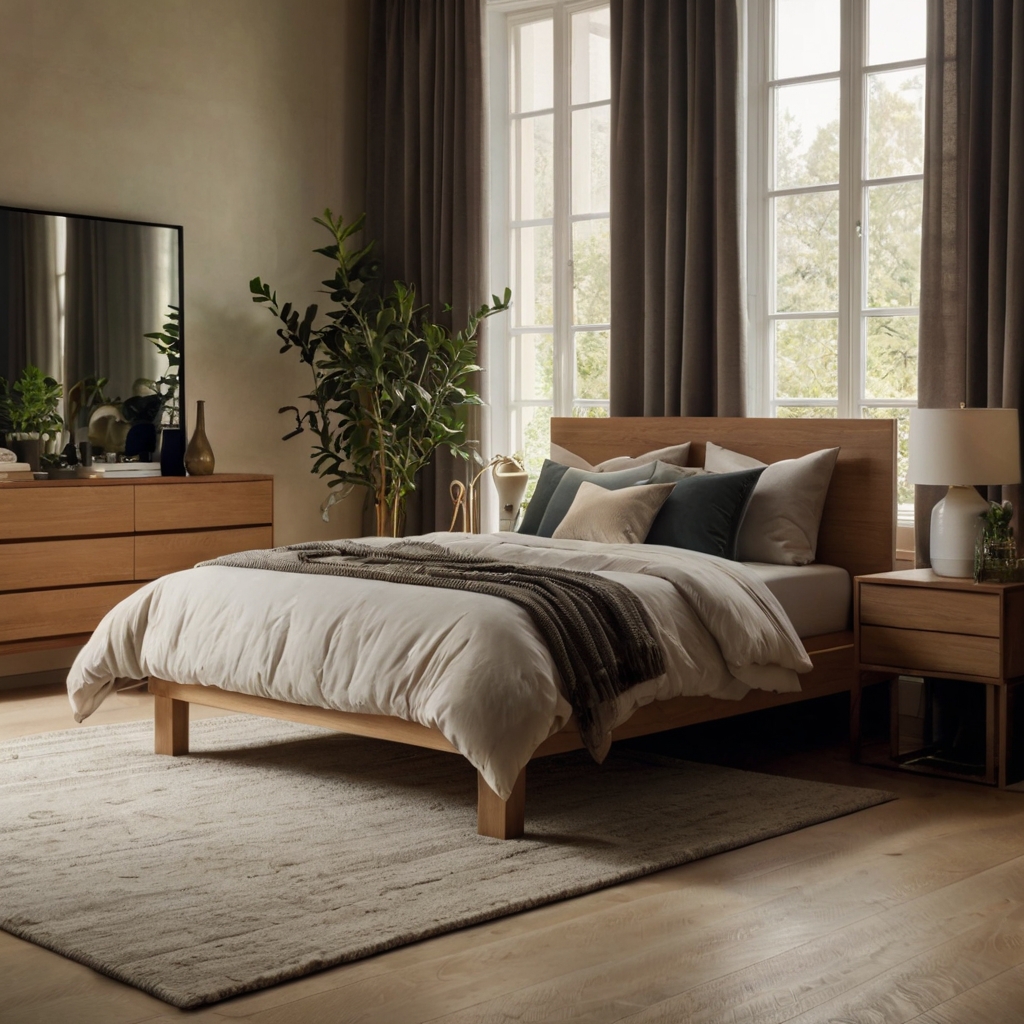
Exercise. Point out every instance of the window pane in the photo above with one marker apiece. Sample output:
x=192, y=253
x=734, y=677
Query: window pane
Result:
x=806, y=412
x=591, y=283
x=904, y=491
x=533, y=261
x=894, y=244
x=891, y=357
x=806, y=37
x=806, y=358
x=896, y=30
x=592, y=365
x=590, y=161
x=535, y=171
x=807, y=252
x=534, y=65
x=591, y=61
x=895, y=123
x=807, y=134
x=533, y=429
x=536, y=367
x=593, y=412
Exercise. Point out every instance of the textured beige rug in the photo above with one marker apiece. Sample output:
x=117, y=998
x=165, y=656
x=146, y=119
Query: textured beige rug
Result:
x=277, y=850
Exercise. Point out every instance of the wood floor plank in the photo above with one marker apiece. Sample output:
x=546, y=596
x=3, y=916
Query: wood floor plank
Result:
x=999, y=1000
x=908, y=907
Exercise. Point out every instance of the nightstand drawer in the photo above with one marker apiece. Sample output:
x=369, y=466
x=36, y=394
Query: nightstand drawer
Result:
x=940, y=611
x=916, y=649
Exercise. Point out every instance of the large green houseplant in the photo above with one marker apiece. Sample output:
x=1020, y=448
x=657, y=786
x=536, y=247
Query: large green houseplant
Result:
x=390, y=384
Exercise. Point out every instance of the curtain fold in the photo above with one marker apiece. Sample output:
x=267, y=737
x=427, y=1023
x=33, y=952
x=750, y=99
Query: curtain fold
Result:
x=677, y=343
x=972, y=250
x=425, y=179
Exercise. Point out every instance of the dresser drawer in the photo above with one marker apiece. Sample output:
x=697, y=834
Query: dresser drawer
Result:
x=25, y=565
x=160, y=553
x=924, y=652
x=940, y=611
x=204, y=505
x=45, y=511
x=46, y=613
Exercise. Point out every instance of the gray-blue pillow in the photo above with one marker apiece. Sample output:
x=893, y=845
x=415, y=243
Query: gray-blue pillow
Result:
x=703, y=513
x=551, y=474
x=569, y=484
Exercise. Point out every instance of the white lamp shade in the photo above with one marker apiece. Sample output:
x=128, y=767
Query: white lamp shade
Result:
x=964, y=447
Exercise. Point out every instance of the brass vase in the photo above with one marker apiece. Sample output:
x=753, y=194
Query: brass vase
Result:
x=199, y=454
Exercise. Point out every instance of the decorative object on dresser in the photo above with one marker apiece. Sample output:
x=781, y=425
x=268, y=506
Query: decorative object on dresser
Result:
x=199, y=459
x=72, y=549
x=917, y=623
x=995, y=554
x=961, y=449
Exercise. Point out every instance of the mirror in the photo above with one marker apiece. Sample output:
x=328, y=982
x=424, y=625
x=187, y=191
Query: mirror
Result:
x=94, y=305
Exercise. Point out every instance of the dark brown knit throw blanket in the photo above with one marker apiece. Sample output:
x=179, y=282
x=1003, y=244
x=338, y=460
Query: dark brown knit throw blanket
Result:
x=595, y=628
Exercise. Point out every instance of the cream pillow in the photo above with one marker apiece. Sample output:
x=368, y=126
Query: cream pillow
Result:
x=613, y=517
x=784, y=514
x=674, y=455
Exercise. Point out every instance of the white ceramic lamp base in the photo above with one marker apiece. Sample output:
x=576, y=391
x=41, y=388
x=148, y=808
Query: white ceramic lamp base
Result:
x=956, y=524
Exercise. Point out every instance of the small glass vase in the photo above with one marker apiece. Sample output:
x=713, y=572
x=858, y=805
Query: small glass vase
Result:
x=995, y=560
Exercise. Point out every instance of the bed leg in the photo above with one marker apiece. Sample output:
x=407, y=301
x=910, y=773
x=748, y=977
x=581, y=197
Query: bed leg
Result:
x=497, y=818
x=170, y=720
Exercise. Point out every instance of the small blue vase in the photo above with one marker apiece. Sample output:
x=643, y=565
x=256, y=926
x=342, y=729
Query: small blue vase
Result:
x=172, y=452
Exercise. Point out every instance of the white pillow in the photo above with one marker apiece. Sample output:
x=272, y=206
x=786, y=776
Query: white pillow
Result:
x=674, y=455
x=613, y=517
x=784, y=513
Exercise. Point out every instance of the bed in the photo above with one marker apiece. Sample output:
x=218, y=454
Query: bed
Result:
x=857, y=536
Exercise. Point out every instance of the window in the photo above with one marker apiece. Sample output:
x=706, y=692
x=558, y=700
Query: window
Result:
x=550, y=102
x=836, y=146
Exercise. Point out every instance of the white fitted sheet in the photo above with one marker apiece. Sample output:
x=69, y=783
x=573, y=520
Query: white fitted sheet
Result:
x=816, y=598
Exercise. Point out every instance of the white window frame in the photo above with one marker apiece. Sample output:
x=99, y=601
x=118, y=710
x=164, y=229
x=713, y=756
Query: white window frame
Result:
x=853, y=185
x=502, y=17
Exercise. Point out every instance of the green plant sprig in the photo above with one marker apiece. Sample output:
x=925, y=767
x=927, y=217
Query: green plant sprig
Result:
x=390, y=385
x=31, y=404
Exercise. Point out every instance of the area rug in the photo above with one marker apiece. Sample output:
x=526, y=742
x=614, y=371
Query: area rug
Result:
x=275, y=850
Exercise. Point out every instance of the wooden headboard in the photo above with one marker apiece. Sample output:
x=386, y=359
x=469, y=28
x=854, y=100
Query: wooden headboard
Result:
x=858, y=527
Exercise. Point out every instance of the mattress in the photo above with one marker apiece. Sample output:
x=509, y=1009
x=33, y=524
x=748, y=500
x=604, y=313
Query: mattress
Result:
x=815, y=597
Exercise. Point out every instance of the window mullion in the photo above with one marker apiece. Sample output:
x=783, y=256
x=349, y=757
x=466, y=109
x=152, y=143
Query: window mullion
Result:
x=562, y=241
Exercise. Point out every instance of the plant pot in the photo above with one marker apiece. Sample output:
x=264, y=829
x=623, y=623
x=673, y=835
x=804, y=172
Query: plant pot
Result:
x=172, y=451
x=29, y=449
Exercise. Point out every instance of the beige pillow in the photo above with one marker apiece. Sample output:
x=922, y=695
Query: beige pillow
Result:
x=784, y=513
x=613, y=517
x=675, y=455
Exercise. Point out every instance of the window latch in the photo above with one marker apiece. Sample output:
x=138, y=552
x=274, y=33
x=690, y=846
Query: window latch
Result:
x=860, y=230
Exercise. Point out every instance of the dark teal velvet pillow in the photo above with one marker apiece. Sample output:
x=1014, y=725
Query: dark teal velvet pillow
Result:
x=569, y=484
x=703, y=513
x=551, y=474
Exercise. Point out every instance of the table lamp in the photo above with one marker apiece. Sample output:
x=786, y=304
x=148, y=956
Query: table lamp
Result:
x=961, y=449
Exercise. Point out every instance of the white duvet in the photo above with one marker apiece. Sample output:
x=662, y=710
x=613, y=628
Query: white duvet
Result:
x=472, y=666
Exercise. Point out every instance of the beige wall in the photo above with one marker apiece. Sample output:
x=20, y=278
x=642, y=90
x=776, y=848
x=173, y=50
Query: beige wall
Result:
x=239, y=119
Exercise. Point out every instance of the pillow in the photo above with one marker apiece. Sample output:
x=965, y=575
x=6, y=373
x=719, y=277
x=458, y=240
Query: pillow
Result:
x=612, y=517
x=674, y=455
x=666, y=474
x=784, y=513
x=565, y=492
x=703, y=513
x=551, y=474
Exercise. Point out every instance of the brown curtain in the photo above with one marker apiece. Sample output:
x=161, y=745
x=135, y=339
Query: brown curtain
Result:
x=676, y=295
x=972, y=267
x=425, y=176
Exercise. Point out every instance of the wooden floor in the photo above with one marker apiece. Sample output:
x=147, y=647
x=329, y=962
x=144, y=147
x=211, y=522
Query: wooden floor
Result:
x=912, y=911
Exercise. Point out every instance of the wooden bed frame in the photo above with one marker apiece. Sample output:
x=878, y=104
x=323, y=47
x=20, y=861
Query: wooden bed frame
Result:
x=858, y=532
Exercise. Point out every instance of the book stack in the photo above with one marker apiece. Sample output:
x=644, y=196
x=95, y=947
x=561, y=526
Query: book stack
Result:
x=124, y=470
x=11, y=471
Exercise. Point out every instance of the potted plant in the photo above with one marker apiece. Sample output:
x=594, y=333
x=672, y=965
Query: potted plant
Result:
x=390, y=385
x=29, y=410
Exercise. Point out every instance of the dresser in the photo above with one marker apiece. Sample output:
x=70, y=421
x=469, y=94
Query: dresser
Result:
x=71, y=549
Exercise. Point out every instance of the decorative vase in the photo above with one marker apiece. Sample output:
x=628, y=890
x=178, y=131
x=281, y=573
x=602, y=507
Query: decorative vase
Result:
x=30, y=449
x=199, y=454
x=172, y=451
x=995, y=560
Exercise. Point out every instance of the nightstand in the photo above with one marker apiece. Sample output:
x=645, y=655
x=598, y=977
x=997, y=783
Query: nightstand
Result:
x=915, y=623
